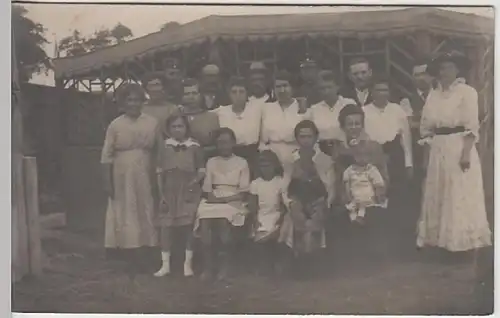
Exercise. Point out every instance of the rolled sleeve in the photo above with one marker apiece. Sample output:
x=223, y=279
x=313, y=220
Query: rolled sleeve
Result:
x=470, y=111
x=108, y=151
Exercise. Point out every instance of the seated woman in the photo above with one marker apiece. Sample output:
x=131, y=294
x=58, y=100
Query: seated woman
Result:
x=310, y=192
x=225, y=187
x=352, y=123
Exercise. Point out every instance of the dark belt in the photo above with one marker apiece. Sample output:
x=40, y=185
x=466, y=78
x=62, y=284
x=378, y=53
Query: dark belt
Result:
x=449, y=130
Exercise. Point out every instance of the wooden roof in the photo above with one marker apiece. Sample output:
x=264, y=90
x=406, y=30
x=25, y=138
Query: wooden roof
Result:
x=268, y=27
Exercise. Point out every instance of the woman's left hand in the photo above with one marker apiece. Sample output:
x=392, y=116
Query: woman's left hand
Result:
x=465, y=161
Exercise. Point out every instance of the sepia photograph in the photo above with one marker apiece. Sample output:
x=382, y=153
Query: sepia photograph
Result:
x=252, y=159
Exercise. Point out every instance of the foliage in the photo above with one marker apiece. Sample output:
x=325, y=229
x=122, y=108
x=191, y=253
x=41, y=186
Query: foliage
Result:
x=29, y=39
x=77, y=44
x=120, y=32
x=169, y=25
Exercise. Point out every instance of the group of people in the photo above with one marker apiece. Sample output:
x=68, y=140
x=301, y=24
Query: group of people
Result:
x=192, y=160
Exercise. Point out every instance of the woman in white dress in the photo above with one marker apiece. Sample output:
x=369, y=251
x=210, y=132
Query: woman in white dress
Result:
x=128, y=158
x=279, y=120
x=453, y=215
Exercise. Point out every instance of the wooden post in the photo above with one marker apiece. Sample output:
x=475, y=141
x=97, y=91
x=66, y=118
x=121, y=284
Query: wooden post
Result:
x=424, y=44
x=387, y=57
x=19, y=243
x=341, y=57
x=237, y=57
x=33, y=215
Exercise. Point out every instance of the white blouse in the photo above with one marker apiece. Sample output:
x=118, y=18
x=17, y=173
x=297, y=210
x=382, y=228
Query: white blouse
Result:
x=278, y=123
x=263, y=99
x=232, y=172
x=456, y=106
x=246, y=126
x=326, y=118
x=384, y=124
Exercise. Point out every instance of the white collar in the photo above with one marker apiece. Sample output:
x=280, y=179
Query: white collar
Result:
x=264, y=97
x=362, y=137
x=188, y=142
x=365, y=91
x=317, y=152
x=337, y=103
x=456, y=82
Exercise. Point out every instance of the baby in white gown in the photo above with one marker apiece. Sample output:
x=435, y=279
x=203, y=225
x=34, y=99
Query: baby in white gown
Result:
x=364, y=186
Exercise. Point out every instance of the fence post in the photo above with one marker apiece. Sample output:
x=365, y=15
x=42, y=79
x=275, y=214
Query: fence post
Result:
x=33, y=216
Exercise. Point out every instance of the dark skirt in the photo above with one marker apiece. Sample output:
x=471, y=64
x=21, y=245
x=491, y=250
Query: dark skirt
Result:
x=249, y=153
x=396, y=161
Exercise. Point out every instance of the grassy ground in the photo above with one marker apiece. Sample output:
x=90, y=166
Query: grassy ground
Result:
x=78, y=279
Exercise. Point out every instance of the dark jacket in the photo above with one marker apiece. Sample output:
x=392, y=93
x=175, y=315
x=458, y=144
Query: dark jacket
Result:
x=350, y=92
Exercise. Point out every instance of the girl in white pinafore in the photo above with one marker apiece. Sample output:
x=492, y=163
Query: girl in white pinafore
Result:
x=453, y=213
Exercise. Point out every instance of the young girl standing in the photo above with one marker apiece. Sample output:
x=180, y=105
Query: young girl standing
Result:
x=179, y=175
x=266, y=206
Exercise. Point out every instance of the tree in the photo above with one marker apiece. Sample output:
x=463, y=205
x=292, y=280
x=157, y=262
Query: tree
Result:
x=29, y=39
x=169, y=25
x=77, y=44
x=74, y=44
x=120, y=33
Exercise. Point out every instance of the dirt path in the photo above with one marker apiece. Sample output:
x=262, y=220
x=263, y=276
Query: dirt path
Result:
x=78, y=279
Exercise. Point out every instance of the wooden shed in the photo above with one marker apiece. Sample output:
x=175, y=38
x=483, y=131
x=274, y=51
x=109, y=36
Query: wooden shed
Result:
x=390, y=39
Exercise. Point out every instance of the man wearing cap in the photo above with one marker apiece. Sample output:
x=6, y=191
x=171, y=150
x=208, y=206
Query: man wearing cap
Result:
x=309, y=77
x=257, y=80
x=212, y=89
x=173, y=81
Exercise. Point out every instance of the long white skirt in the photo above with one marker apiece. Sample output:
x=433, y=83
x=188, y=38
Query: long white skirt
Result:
x=130, y=215
x=453, y=214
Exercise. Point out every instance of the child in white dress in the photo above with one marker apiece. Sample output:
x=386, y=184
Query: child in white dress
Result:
x=364, y=186
x=266, y=205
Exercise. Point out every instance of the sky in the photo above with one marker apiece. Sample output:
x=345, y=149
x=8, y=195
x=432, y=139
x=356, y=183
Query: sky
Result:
x=61, y=19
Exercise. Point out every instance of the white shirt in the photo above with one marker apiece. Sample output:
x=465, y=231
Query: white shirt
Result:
x=362, y=95
x=246, y=126
x=270, y=195
x=326, y=118
x=384, y=124
x=278, y=123
x=262, y=99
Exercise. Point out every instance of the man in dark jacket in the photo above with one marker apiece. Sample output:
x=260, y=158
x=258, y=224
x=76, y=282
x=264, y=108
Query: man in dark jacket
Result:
x=258, y=83
x=413, y=105
x=360, y=73
x=309, y=88
x=213, y=92
x=172, y=81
